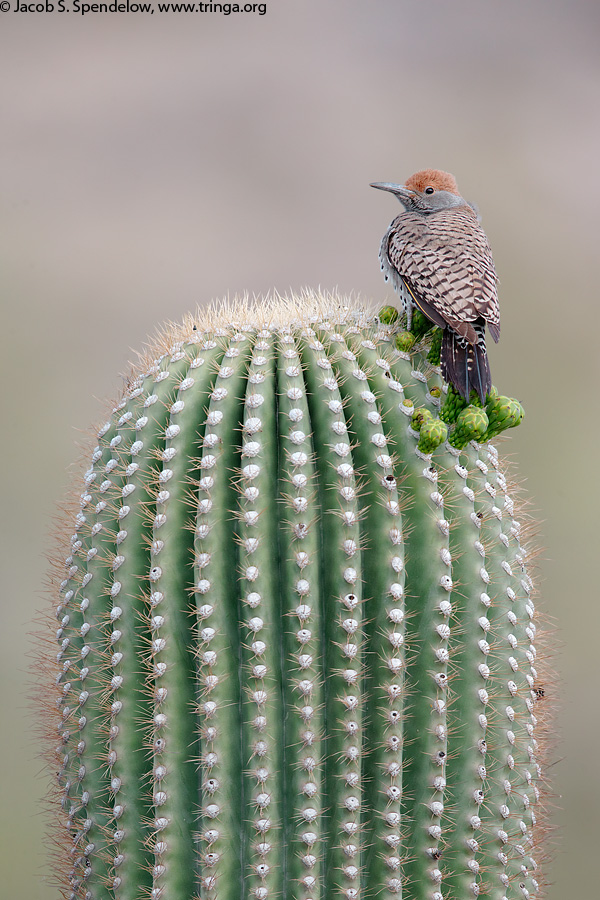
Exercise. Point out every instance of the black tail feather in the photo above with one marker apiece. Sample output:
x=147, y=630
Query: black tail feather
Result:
x=465, y=365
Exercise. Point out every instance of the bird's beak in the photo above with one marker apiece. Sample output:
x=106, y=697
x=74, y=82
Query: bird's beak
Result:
x=397, y=189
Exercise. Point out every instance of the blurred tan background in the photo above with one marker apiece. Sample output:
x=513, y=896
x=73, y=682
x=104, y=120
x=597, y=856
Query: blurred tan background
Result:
x=150, y=163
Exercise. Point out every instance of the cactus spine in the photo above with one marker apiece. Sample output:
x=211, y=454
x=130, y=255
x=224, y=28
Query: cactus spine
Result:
x=296, y=652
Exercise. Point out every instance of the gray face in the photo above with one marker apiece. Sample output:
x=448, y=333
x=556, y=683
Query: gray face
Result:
x=420, y=201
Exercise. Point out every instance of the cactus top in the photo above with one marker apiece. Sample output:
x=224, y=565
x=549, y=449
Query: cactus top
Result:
x=296, y=653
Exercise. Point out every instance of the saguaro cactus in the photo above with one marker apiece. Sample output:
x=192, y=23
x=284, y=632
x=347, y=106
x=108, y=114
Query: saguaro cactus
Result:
x=296, y=630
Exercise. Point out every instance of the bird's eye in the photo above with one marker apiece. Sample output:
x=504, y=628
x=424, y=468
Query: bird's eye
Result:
x=429, y=190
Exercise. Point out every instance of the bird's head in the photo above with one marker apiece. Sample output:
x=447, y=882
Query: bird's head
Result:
x=427, y=191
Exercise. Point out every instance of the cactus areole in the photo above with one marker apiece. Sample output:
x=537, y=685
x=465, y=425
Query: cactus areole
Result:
x=295, y=628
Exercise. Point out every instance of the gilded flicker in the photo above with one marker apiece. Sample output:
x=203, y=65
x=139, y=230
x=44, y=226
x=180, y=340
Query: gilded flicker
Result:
x=438, y=258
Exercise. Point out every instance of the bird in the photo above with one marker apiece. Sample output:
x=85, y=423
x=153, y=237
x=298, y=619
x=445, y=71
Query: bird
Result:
x=438, y=259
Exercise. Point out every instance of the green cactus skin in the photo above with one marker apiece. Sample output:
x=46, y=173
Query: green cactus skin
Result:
x=296, y=650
